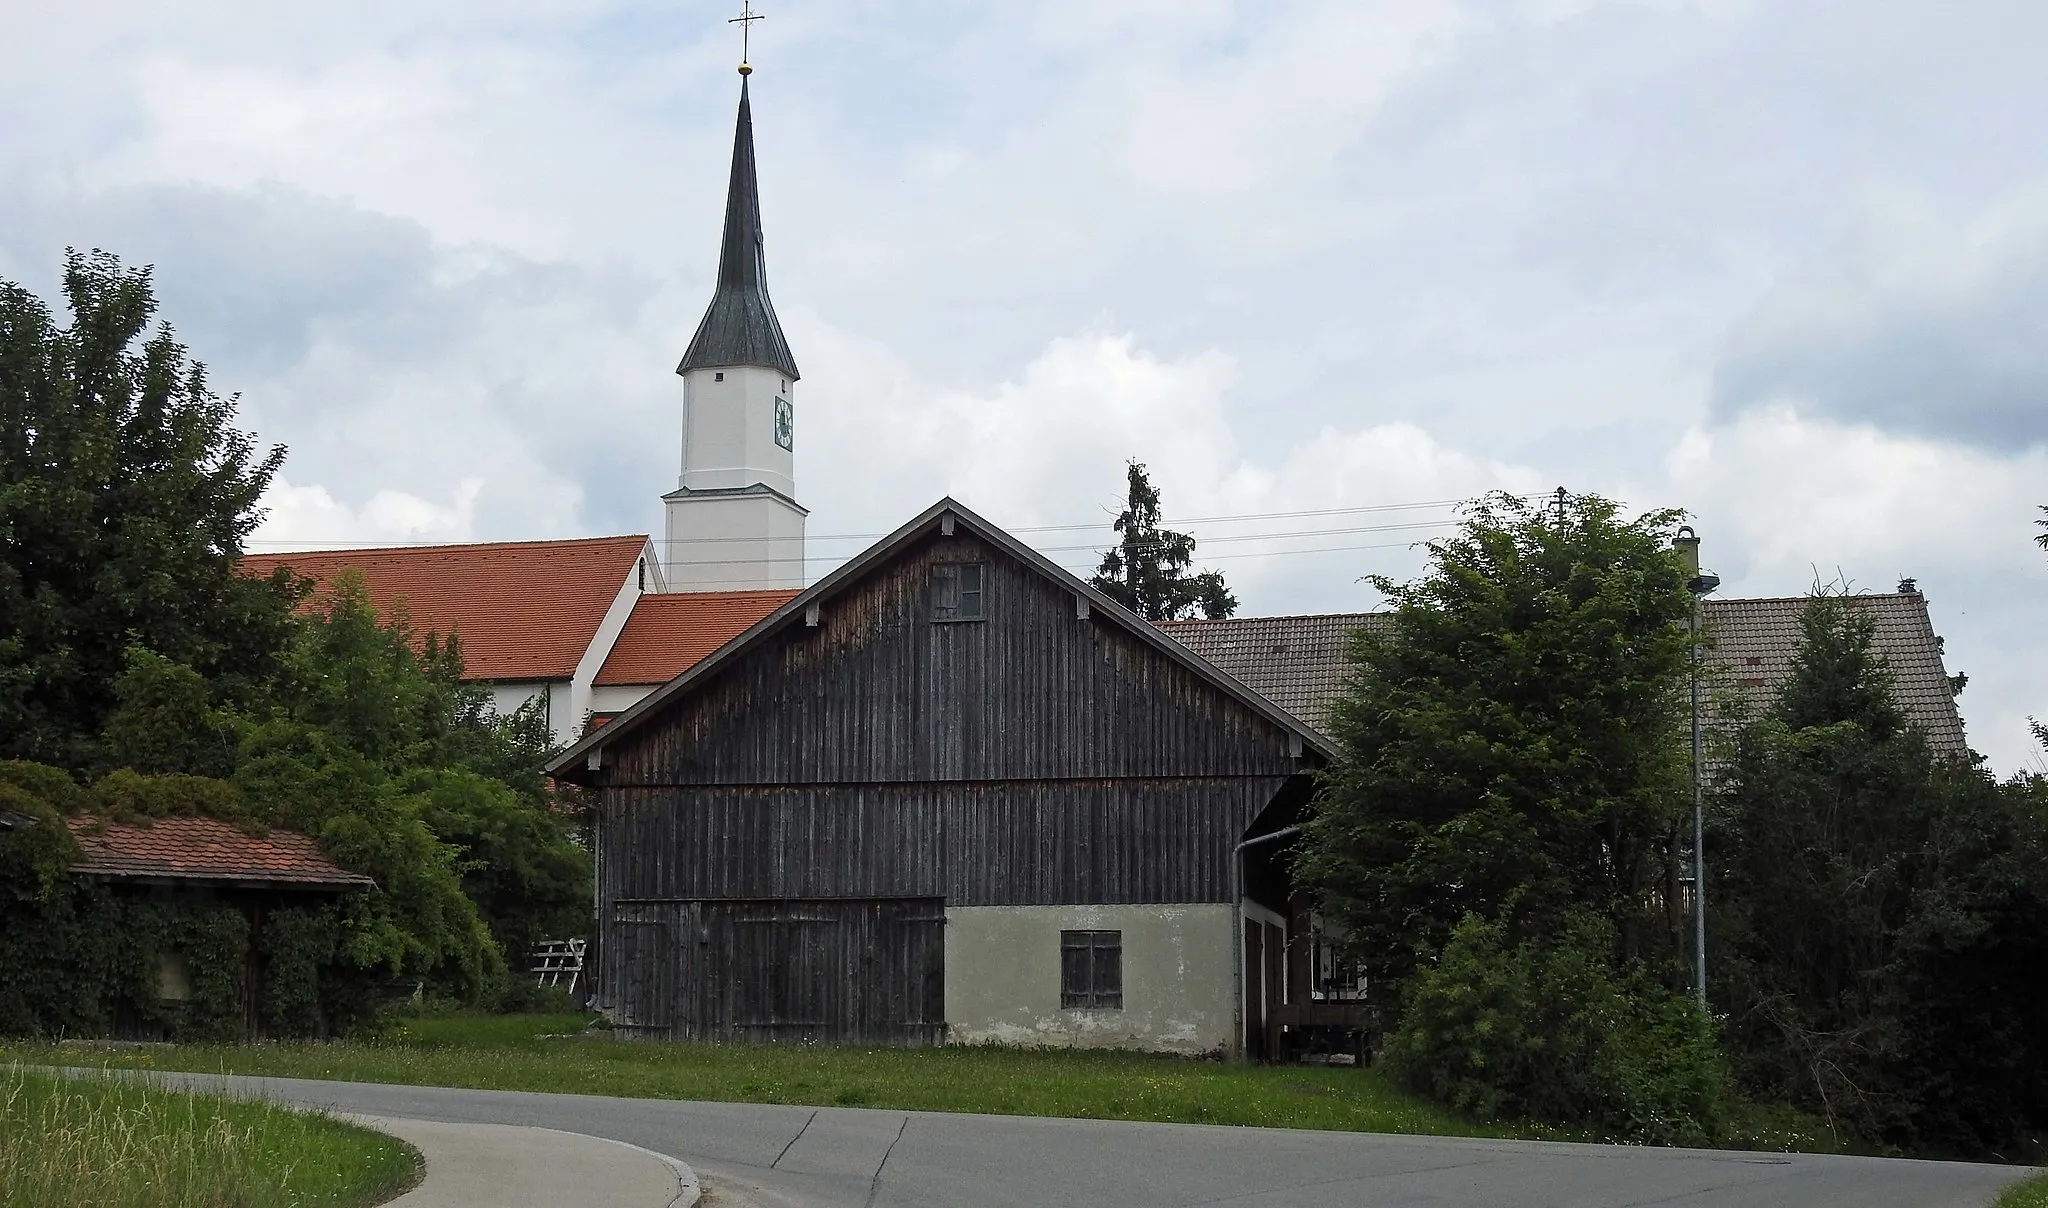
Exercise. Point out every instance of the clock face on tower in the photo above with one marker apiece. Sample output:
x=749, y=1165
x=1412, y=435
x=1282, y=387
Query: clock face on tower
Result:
x=785, y=421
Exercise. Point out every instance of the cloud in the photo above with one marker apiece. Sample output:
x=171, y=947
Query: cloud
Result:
x=1048, y=446
x=1924, y=324
x=308, y=517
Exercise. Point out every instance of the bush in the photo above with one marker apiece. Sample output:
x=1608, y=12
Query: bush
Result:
x=1551, y=1032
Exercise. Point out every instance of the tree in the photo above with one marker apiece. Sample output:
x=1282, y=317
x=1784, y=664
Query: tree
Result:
x=1147, y=570
x=125, y=495
x=374, y=724
x=1510, y=747
x=1883, y=917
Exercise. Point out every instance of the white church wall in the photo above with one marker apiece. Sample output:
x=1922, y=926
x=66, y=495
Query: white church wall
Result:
x=506, y=699
x=509, y=696
x=582, y=683
x=617, y=698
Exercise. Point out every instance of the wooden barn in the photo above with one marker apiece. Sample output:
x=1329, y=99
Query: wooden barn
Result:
x=948, y=793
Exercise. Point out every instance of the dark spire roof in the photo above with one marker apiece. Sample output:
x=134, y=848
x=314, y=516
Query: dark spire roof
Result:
x=740, y=327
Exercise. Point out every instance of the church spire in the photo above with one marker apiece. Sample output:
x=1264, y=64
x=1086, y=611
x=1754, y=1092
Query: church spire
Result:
x=740, y=327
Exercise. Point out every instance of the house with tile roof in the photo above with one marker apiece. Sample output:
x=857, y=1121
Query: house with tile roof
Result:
x=1300, y=662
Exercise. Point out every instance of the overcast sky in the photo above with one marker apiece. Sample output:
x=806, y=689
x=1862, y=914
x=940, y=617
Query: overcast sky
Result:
x=1782, y=263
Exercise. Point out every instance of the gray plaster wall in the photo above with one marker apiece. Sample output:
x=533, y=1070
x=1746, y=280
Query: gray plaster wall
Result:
x=1003, y=977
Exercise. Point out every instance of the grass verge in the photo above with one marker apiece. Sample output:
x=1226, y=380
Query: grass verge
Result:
x=2033, y=1193
x=124, y=1144
x=559, y=1053
x=555, y=1053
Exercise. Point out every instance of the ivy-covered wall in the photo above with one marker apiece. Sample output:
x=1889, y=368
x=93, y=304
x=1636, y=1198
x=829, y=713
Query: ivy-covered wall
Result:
x=86, y=960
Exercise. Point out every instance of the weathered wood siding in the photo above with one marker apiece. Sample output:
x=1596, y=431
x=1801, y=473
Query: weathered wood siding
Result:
x=839, y=970
x=970, y=843
x=779, y=842
x=880, y=692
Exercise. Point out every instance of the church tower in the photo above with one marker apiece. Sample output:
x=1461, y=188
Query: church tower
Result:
x=733, y=519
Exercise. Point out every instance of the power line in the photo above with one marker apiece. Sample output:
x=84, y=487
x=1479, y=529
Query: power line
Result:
x=1043, y=528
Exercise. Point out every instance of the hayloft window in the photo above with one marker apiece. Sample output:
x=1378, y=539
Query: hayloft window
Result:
x=1092, y=969
x=957, y=592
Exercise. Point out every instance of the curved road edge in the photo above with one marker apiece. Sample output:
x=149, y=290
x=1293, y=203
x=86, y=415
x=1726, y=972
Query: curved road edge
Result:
x=526, y=1166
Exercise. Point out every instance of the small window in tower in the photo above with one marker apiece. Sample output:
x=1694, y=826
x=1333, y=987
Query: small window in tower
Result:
x=719, y=376
x=957, y=593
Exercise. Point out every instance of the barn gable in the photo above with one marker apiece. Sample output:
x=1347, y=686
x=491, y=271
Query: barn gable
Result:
x=856, y=679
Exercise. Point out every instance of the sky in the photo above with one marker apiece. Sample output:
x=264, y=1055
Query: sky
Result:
x=1325, y=268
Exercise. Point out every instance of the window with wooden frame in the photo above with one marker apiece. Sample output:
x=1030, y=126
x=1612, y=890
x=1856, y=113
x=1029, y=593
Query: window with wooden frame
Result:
x=1092, y=969
x=958, y=592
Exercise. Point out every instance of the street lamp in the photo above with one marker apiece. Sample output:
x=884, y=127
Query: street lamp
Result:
x=1687, y=543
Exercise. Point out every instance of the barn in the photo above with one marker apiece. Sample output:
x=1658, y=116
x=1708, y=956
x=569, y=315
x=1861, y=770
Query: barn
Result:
x=948, y=793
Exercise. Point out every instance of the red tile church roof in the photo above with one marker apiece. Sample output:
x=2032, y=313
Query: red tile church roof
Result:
x=669, y=634
x=205, y=849
x=524, y=610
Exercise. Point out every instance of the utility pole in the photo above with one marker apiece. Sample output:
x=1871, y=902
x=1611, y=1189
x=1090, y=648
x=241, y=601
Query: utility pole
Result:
x=1697, y=585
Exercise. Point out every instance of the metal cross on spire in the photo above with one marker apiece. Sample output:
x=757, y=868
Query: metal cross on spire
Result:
x=745, y=21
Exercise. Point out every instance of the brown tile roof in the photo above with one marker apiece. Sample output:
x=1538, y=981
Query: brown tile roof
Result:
x=1753, y=642
x=668, y=634
x=1299, y=663
x=524, y=610
x=205, y=849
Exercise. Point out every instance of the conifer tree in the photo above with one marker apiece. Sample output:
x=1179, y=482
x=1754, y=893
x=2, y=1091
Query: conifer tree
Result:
x=1147, y=570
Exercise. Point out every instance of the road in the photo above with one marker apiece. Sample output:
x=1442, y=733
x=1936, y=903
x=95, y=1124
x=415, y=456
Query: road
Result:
x=799, y=1157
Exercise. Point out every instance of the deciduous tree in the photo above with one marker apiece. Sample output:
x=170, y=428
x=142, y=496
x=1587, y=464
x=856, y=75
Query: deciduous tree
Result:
x=1511, y=742
x=126, y=492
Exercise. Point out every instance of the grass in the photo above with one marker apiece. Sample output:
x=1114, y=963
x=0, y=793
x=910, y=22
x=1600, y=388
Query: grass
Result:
x=557, y=1053
x=2032, y=1193
x=560, y=1053
x=125, y=1144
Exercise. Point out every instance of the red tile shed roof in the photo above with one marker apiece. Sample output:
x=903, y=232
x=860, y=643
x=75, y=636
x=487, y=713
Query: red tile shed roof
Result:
x=668, y=634
x=205, y=849
x=524, y=610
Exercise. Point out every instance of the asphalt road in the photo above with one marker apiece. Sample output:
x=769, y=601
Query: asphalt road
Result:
x=751, y=1154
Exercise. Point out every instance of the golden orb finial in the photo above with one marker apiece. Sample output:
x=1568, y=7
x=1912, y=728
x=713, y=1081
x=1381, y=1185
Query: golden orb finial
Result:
x=746, y=69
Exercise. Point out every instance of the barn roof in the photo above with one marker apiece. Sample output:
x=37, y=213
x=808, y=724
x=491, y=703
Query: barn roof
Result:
x=205, y=850
x=1300, y=662
x=524, y=610
x=571, y=764
x=669, y=634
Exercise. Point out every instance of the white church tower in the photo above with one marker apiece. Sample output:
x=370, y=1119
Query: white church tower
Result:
x=733, y=519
